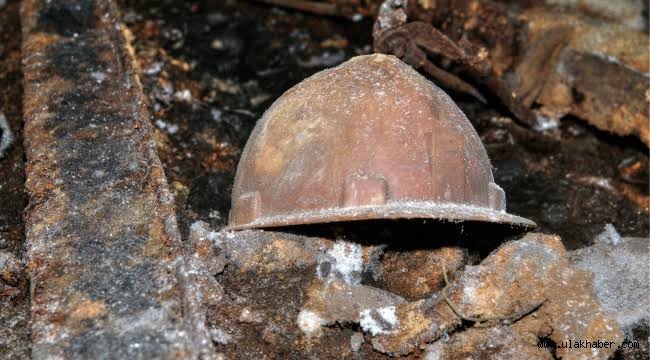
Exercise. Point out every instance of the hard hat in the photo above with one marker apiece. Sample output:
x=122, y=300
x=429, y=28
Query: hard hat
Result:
x=368, y=139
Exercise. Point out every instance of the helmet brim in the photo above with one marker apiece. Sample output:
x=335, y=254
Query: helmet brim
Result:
x=400, y=210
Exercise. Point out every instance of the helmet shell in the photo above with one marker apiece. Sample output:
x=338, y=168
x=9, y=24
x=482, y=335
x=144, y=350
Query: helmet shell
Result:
x=368, y=139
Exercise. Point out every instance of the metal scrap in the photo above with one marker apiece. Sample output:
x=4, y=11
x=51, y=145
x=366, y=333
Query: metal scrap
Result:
x=108, y=277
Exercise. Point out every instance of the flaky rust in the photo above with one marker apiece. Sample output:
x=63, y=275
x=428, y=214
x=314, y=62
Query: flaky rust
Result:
x=105, y=261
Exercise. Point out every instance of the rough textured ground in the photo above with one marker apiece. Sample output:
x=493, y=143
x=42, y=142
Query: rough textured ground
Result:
x=210, y=70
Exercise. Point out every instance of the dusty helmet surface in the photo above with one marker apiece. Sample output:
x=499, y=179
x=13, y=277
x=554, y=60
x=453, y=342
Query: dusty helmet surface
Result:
x=368, y=139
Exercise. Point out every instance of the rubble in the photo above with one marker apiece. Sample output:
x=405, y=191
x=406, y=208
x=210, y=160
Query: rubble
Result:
x=340, y=302
x=541, y=62
x=204, y=263
x=105, y=262
x=530, y=270
x=263, y=289
x=420, y=322
x=524, y=292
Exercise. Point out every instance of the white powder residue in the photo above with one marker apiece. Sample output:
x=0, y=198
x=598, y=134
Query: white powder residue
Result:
x=344, y=261
x=219, y=336
x=609, y=235
x=379, y=321
x=310, y=322
x=201, y=230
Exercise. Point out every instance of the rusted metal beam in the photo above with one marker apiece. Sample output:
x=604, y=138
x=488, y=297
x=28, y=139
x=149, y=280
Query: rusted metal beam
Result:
x=104, y=255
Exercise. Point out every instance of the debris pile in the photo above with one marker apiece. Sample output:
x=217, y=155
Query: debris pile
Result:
x=541, y=62
x=122, y=264
x=291, y=289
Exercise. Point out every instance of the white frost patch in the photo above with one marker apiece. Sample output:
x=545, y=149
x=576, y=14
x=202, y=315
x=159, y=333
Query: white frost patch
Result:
x=621, y=273
x=154, y=68
x=310, y=322
x=435, y=351
x=379, y=321
x=609, y=235
x=344, y=261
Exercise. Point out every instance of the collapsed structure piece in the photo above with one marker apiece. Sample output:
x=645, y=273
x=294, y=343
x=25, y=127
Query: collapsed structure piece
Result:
x=104, y=257
x=369, y=139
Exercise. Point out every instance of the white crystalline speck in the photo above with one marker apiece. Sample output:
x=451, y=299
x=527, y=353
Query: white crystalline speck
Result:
x=346, y=262
x=98, y=76
x=379, y=321
x=310, y=322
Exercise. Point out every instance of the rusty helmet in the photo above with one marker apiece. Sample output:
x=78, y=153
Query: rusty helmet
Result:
x=368, y=139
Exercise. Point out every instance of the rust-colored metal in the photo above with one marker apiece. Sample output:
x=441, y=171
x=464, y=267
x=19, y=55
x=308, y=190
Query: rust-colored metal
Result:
x=104, y=255
x=369, y=139
x=540, y=63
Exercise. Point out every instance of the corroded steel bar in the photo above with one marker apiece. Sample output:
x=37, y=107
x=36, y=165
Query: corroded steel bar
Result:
x=107, y=272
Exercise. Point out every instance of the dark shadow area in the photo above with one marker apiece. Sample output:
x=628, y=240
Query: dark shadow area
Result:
x=413, y=234
x=15, y=330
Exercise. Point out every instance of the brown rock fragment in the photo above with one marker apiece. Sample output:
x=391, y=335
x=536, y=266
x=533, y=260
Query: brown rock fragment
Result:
x=416, y=274
x=418, y=323
x=498, y=342
x=532, y=269
x=340, y=302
